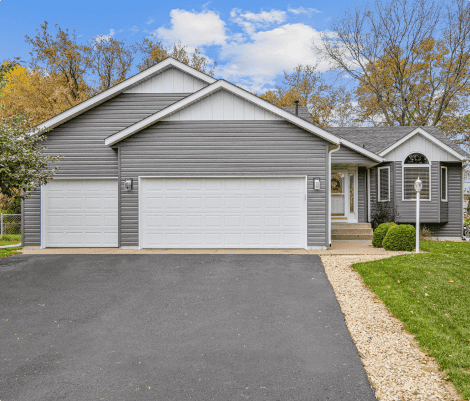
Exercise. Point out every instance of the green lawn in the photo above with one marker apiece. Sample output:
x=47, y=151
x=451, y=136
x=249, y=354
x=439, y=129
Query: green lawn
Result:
x=10, y=239
x=4, y=252
x=430, y=294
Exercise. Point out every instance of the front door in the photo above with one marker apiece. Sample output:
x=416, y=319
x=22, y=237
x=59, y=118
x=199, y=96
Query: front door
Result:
x=344, y=195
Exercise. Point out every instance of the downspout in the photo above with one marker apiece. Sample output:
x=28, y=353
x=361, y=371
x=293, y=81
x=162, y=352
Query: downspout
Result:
x=329, y=192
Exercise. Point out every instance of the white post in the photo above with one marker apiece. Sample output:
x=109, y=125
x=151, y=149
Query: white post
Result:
x=417, y=221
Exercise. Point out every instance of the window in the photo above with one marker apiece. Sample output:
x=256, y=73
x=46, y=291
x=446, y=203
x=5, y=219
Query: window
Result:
x=444, y=188
x=384, y=184
x=416, y=165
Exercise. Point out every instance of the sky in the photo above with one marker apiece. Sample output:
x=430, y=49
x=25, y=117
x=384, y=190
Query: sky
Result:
x=253, y=42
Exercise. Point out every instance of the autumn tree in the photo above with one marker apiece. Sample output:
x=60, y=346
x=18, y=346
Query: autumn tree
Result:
x=108, y=60
x=328, y=105
x=409, y=58
x=154, y=52
x=22, y=165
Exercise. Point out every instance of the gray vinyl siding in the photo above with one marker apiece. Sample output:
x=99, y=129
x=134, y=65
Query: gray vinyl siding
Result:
x=218, y=148
x=455, y=204
x=81, y=143
x=429, y=210
x=348, y=156
x=374, y=185
x=362, y=194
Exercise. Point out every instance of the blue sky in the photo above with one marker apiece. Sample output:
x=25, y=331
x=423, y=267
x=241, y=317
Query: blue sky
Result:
x=252, y=41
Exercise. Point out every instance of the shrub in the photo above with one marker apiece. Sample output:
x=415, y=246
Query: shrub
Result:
x=400, y=238
x=383, y=212
x=379, y=234
x=425, y=233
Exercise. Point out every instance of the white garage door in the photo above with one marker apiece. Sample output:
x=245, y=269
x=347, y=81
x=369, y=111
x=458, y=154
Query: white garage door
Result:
x=222, y=213
x=80, y=213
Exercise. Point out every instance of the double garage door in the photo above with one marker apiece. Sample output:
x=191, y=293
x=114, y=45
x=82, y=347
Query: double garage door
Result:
x=179, y=213
x=222, y=213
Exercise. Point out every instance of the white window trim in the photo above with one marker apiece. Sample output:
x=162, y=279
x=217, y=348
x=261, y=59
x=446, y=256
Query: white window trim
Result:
x=403, y=181
x=378, y=184
x=447, y=184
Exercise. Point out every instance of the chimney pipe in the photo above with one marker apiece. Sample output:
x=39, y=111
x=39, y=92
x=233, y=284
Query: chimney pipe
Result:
x=296, y=107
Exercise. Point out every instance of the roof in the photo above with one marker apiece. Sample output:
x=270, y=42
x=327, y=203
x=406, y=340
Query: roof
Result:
x=120, y=88
x=207, y=91
x=304, y=114
x=377, y=139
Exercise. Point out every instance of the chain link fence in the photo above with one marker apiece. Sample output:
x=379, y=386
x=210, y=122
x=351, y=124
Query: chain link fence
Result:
x=10, y=224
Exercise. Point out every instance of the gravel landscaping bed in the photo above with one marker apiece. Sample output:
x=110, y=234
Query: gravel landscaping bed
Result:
x=395, y=365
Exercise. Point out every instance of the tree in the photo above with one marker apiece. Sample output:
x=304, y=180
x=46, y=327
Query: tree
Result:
x=62, y=57
x=109, y=60
x=328, y=105
x=410, y=59
x=22, y=166
x=154, y=52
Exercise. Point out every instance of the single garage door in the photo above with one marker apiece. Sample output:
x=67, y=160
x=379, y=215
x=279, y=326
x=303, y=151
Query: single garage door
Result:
x=222, y=213
x=80, y=213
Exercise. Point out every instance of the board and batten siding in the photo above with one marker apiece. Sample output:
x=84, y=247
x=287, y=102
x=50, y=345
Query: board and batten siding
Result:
x=222, y=105
x=420, y=144
x=81, y=143
x=171, y=80
x=225, y=148
x=348, y=156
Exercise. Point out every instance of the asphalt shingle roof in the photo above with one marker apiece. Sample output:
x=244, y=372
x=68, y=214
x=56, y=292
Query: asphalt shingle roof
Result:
x=376, y=139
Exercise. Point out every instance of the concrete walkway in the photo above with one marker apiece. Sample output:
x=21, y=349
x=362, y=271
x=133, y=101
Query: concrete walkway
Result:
x=338, y=248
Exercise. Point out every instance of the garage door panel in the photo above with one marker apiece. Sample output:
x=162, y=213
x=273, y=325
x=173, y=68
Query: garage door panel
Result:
x=218, y=212
x=80, y=213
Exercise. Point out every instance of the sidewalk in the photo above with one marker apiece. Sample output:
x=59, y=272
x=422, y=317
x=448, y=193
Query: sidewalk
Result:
x=338, y=248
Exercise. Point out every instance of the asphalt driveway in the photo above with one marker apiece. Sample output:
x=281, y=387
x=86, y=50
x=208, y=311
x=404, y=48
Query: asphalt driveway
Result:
x=174, y=327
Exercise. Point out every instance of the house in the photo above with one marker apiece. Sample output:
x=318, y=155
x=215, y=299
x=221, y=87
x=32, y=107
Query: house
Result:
x=173, y=158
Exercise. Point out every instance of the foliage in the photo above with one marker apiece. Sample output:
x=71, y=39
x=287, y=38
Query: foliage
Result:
x=425, y=233
x=153, y=52
x=379, y=234
x=400, y=238
x=5, y=252
x=108, y=59
x=410, y=59
x=11, y=239
x=328, y=105
x=383, y=212
x=22, y=167
x=10, y=204
x=429, y=293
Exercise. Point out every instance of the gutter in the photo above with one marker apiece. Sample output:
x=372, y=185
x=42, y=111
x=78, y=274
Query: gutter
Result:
x=329, y=192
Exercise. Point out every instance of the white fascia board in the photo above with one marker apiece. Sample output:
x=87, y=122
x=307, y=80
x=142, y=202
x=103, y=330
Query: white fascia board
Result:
x=121, y=87
x=208, y=90
x=427, y=136
x=363, y=151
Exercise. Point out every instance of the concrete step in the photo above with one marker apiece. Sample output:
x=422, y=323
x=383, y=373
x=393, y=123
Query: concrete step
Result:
x=351, y=237
x=361, y=231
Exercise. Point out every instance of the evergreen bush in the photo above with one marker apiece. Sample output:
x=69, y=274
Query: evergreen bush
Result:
x=379, y=234
x=400, y=238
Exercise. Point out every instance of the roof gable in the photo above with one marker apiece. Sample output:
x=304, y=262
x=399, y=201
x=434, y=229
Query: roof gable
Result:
x=122, y=87
x=209, y=90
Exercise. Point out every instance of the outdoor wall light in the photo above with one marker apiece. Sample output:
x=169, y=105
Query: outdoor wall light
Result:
x=128, y=184
x=316, y=183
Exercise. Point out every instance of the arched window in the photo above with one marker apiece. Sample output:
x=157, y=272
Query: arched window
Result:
x=416, y=165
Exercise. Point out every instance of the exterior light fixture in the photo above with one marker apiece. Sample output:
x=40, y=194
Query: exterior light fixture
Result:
x=128, y=184
x=418, y=188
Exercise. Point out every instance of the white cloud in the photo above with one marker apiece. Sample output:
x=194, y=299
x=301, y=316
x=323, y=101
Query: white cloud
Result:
x=256, y=63
x=134, y=29
x=105, y=38
x=250, y=22
x=302, y=10
x=150, y=20
x=193, y=29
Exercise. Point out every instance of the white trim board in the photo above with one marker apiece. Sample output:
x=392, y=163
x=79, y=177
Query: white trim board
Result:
x=121, y=87
x=429, y=137
x=208, y=90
